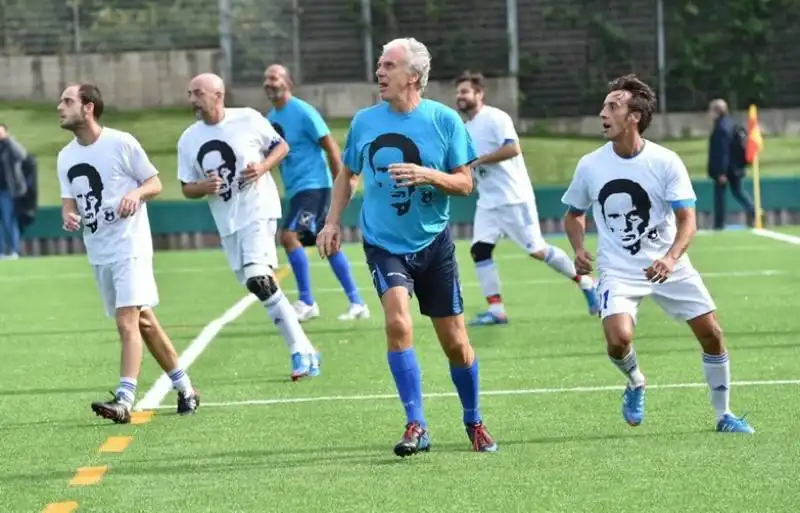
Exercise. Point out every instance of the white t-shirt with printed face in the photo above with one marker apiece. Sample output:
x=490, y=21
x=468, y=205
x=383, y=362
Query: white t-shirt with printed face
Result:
x=633, y=202
x=243, y=137
x=499, y=183
x=97, y=177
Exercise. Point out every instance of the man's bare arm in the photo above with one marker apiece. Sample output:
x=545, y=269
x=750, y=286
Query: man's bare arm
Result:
x=328, y=143
x=505, y=152
x=686, y=219
x=343, y=188
x=575, y=227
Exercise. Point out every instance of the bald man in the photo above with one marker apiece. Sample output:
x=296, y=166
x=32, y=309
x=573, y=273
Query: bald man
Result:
x=726, y=162
x=307, y=181
x=226, y=157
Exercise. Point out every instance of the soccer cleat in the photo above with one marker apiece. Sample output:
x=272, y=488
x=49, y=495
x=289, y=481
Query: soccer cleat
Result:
x=593, y=300
x=306, y=312
x=415, y=439
x=114, y=410
x=355, y=311
x=313, y=367
x=301, y=366
x=633, y=405
x=188, y=404
x=731, y=424
x=481, y=440
x=488, y=319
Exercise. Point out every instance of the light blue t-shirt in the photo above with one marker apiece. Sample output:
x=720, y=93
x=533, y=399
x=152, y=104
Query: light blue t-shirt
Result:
x=405, y=220
x=306, y=165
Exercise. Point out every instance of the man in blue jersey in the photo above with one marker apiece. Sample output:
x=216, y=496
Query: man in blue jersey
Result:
x=306, y=174
x=413, y=153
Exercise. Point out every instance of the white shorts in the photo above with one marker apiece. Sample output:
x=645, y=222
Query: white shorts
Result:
x=519, y=222
x=253, y=246
x=683, y=296
x=127, y=283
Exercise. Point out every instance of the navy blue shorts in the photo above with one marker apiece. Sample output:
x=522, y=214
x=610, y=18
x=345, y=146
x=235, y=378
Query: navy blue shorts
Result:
x=431, y=274
x=307, y=211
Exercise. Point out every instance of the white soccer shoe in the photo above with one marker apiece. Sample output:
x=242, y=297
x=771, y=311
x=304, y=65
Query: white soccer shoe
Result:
x=355, y=311
x=306, y=312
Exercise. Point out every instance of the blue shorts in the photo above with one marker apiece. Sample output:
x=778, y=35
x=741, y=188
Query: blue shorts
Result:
x=307, y=211
x=431, y=274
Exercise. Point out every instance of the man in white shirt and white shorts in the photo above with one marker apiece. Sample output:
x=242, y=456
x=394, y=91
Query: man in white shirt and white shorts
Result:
x=226, y=157
x=106, y=178
x=643, y=205
x=506, y=201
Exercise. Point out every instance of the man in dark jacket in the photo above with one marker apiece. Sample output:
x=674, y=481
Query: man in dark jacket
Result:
x=726, y=164
x=12, y=186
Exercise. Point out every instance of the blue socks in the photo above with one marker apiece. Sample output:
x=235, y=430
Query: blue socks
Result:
x=341, y=268
x=466, y=382
x=302, y=273
x=408, y=379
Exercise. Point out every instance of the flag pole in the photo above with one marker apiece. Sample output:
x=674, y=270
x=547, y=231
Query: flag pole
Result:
x=757, y=194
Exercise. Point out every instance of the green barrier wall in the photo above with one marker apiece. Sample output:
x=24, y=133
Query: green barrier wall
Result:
x=171, y=217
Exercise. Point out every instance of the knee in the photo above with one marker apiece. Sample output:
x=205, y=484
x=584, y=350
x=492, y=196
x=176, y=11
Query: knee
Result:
x=147, y=322
x=289, y=240
x=454, y=340
x=619, y=337
x=263, y=287
x=127, y=319
x=481, y=252
x=710, y=336
x=398, y=332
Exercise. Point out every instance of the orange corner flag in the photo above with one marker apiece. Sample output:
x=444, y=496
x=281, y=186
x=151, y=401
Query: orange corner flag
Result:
x=755, y=141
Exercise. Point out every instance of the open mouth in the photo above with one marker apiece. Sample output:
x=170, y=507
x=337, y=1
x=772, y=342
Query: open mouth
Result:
x=606, y=126
x=382, y=85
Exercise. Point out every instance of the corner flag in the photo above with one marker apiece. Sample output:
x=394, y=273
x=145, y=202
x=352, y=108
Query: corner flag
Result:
x=754, y=145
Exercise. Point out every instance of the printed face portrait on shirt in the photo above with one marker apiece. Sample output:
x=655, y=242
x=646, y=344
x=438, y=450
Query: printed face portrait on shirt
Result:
x=87, y=187
x=389, y=149
x=626, y=212
x=218, y=157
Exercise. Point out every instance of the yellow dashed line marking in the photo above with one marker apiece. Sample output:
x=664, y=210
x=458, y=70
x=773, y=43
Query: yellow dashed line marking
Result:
x=61, y=507
x=142, y=417
x=116, y=443
x=86, y=476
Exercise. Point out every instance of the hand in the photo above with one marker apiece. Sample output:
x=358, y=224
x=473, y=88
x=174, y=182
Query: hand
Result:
x=211, y=184
x=583, y=262
x=329, y=240
x=409, y=175
x=72, y=222
x=722, y=179
x=660, y=269
x=129, y=204
x=250, y=174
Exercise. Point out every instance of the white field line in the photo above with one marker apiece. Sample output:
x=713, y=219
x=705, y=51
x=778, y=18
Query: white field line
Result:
x=526, y=391
x=791, y=239
x=354, y=262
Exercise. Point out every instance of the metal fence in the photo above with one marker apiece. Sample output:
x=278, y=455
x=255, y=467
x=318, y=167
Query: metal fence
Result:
x=561, y=50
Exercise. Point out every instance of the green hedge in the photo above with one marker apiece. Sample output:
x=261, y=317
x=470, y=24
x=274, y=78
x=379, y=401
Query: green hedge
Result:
x=170, y=217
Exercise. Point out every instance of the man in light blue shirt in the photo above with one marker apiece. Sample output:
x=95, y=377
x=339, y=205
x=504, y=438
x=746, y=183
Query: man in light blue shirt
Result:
x=413, y=154
x=306, y=176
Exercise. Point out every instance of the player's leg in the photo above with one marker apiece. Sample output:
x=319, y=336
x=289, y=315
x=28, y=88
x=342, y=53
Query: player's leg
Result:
x=438, y=290
x=521, y=224
x=126, y=316
x=338, y=261
x=687, y=299
x=485, y=234
x=294, y=225
x=619, y=304
x=393, y=281
x=255, y=245
x=162, y=349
